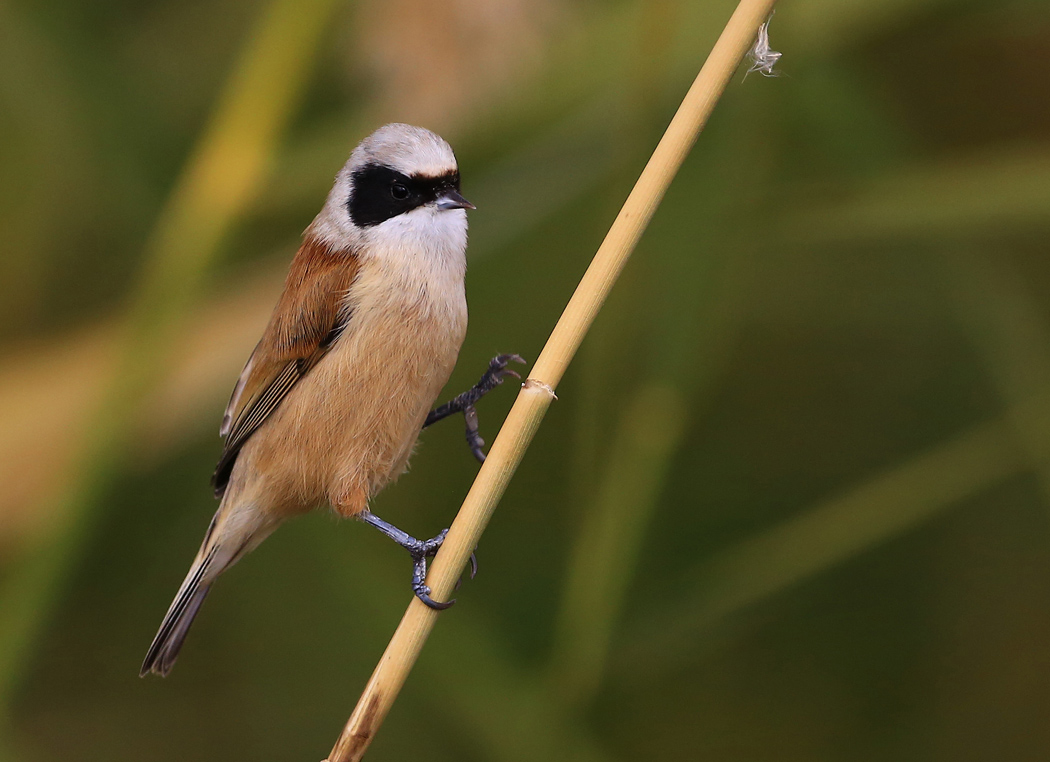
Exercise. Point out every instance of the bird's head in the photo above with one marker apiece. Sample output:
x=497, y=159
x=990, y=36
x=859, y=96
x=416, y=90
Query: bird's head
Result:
x=400, y=186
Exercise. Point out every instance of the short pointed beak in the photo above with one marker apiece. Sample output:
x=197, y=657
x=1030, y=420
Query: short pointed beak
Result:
x=452, y=200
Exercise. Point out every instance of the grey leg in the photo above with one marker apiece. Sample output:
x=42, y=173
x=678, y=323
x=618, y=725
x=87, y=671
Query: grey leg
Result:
x=464, y=403
x=420, y=550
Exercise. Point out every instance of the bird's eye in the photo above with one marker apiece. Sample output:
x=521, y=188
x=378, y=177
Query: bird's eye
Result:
x=399, y=191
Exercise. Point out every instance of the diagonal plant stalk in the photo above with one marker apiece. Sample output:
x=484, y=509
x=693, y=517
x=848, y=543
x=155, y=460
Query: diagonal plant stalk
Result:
x=756, y=569
x=216, y=186
x=703, y=299
x=829, y=533
x=650, y=430
x=926, y=202
x=1007, y=328
x=621, y=506
x=538, y=390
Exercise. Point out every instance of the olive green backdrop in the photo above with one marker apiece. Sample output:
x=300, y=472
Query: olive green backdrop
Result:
x=793, y=502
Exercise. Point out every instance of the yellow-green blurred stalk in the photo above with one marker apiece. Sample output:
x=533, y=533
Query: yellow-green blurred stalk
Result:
x=219, y=181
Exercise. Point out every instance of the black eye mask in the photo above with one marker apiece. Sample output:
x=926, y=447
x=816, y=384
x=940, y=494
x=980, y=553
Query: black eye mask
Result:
x=379, y=193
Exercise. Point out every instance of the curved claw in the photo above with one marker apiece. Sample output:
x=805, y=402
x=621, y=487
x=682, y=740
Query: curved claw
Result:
x=474, y=440
x=473, y=570
x=498, y=369
x=423, y=593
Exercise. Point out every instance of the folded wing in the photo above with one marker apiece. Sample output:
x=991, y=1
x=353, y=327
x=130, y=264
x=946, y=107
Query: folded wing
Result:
x=309, y=317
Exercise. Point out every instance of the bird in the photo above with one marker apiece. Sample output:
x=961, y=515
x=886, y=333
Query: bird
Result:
x=363, y=338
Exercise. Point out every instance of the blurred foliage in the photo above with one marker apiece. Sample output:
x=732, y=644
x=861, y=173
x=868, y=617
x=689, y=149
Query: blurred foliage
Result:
x=792, y=502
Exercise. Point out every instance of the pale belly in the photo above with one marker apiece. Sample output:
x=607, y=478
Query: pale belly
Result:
x=349, y=427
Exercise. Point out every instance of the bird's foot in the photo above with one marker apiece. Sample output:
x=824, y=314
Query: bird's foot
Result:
x=497, y=371
x=464, y=403
x=425, y=549
x=420, y=550
x=493, y=377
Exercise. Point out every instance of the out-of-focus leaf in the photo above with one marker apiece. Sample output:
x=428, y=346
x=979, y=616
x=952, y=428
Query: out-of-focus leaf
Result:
x=968, y=196
x=1010, y=332
x=829, y=534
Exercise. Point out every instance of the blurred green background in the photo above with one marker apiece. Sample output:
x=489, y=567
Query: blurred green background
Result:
x=792, y=503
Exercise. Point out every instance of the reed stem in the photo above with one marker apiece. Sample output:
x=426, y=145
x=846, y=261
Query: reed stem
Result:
x=538, y=390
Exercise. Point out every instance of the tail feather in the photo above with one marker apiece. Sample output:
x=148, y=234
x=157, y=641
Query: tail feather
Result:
x=232, y=533
x=165, y=647
x=176, y=625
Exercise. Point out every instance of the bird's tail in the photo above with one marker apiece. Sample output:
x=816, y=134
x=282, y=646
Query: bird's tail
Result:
x=218, y=552
x=176, y=625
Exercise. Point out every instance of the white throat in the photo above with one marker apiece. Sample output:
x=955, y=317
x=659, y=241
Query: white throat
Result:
x=422, y=255
x=427, y=234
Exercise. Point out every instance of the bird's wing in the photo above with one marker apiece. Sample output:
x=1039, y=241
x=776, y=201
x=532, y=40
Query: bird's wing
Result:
x=308, y=318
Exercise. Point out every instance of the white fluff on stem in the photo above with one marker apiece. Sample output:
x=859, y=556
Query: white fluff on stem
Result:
x=763, y=58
